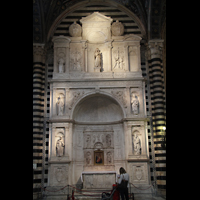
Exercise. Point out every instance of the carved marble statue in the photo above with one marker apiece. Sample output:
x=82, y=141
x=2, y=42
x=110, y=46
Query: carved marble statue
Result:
x=61, y=65
x=97, y=57
x=109, y=159
x=108, y=140
x=60, y=147
x=137, y=145
x=88, y=158
x=88, y=140
x=135, y=104
x=60, y=107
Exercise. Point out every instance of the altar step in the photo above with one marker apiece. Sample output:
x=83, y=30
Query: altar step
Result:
x=90, y=194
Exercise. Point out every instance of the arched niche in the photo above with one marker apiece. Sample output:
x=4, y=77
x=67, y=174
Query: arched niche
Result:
x=98, y=108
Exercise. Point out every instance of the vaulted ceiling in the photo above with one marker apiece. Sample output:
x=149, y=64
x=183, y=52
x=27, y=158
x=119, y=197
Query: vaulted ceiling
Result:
x=145, y=18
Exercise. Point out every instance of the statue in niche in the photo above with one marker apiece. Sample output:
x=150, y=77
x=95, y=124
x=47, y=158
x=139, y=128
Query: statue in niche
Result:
x=60, y=147
x=88, y=139
x=88, y=158
x=108, y=140
x=136, y=144
x=135, y=104
x=61, y=65
x=109, y=158
x=97, y=58
x=60, y=107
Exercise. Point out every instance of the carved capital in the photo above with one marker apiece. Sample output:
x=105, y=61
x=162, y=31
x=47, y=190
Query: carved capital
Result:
x=39, y=52
x=155, y=47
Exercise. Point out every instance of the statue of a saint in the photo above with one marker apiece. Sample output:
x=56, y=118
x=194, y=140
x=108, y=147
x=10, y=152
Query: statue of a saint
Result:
x=60, y=107
x=97, y=58
x=60, y=65
x=60, y=147
x=109, y=159
x=88, y=140
x=137, y=145
x=135, y=104
x=88, y=158
x=108, y=140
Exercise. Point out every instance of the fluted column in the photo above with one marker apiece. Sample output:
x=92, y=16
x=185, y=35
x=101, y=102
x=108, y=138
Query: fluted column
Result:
x=157, y=108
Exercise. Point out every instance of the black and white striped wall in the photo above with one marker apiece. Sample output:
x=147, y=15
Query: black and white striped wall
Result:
x=38, y=113
x=158, y=109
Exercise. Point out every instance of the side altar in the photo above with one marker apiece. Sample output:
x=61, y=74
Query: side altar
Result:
x=98, y=120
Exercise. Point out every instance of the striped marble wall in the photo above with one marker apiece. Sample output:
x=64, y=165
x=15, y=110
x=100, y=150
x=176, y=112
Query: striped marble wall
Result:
x=38, y=112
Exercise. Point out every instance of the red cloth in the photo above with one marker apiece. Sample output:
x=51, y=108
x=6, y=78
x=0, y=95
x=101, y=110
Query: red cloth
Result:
x=116, y=194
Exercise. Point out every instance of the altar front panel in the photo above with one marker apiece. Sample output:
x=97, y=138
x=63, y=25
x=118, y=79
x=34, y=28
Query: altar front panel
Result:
x=98, y=180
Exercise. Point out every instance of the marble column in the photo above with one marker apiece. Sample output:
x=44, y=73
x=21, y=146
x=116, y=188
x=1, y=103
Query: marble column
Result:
x=158, y=107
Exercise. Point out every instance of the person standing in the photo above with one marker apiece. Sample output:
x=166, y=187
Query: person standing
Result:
x=123, y=177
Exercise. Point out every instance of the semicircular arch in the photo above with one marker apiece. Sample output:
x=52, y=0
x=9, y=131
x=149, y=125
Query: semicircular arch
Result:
x=78, y=6
x=97, y=107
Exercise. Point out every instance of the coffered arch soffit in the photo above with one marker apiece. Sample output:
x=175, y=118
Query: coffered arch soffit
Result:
x=100, y=107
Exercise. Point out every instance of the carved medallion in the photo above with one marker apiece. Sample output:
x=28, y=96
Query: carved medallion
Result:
x=117, y=28
x=59, y=174
x=138, y=173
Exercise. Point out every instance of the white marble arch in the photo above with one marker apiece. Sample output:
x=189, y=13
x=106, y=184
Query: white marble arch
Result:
x=117, y=107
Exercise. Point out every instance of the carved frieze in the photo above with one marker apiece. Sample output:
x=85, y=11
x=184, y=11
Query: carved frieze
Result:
x=94, y=139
